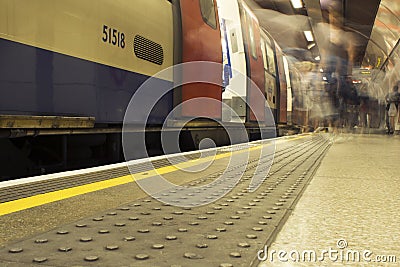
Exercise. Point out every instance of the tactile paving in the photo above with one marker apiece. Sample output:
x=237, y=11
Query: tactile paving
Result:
x=227, y=232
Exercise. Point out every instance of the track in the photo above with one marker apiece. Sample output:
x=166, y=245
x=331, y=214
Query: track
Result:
x=228, y=232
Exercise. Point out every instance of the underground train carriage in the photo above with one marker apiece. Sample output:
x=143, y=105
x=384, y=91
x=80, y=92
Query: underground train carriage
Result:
x=81, y=67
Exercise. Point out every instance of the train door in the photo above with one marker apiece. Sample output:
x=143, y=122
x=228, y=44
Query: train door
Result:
x=255, y=65
x=270, y=74
x=234, y=62
x=201, y=41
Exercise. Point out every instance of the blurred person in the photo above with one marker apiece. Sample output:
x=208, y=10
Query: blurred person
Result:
x=338, y=57
x=352, y=101
x=304, y=95
x=392, y=106
x=363, y=111
x=318, y=102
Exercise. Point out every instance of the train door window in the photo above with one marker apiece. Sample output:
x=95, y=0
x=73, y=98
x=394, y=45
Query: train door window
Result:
x=234, y=41
x=208, y=13
x=271, y=59
x=264, y=54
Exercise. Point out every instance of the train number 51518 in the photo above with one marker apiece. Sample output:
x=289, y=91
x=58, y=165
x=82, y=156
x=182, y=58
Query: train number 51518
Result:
x=113, y=36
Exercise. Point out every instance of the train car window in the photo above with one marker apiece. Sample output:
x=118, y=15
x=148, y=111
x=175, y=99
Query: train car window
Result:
x=253, y=48
x=208, y=12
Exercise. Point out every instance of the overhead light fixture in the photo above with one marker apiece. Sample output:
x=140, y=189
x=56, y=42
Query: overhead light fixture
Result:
x=318, y=58
x=297, y=3
x=309, y=36
x=321, y=70
x=311, y=45
x=324, y=78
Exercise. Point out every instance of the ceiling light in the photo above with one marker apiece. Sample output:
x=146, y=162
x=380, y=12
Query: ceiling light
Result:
x=297, y=3
x=324, y=78
x=318, y=58
x=311, y=45
x=321, y=70
x=309, y=36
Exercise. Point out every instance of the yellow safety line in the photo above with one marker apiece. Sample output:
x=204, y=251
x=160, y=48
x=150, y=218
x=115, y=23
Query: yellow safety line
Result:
x=41, y=199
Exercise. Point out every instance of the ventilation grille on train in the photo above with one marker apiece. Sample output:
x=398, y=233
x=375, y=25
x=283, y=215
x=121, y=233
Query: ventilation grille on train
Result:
x=148, y=50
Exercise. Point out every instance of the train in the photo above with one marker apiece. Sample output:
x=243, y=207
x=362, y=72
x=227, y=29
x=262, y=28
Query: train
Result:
x=69, y=69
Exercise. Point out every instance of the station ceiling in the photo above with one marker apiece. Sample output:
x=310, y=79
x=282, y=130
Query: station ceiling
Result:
x=287, y=25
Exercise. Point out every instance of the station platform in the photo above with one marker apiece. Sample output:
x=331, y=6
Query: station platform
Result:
x=341, y=189
x=348, y=216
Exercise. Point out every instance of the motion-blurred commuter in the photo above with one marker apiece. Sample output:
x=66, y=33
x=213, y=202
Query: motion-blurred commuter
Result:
x=338, y=58
x=392, y=106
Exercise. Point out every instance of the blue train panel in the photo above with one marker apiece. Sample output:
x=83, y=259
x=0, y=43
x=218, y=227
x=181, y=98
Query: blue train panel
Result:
x=35, y=81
